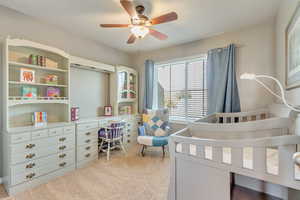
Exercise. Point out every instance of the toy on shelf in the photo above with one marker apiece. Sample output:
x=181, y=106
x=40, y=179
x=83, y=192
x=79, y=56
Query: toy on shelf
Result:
x=51, y=79
x=29, y=92
x=39, y=119
x=74, y=113
x=27, y=75
x=53, y=92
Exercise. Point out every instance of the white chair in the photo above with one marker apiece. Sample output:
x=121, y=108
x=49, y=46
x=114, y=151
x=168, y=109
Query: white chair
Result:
x=112, y=136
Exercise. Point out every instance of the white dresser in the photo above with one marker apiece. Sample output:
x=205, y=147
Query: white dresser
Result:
x=86, y=142
x=34, y=156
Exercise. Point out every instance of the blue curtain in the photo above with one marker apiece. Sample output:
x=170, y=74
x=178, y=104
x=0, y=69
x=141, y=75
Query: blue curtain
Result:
x=223, y=95
x=149, y=84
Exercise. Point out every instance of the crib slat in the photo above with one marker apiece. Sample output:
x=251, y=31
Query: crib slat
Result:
x=185, y=148
x=237, y=157
x=200, y=151
x=217, y=154
x=286, y=164
x=260, y=159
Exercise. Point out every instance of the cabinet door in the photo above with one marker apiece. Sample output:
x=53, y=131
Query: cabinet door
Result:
x=123, y=85
x=132, y=85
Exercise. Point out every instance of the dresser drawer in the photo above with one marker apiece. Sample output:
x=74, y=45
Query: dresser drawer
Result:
x=18, y=138
x=69, y=130
x=65, y=163
x=32, y=154
x=65, y=147
x=66, y=155
x=56, y=131
x=39, y=134
x=69, y=138
x=33, y=145
x=83, y=150
x=33, y=164
x=87, y=137
x=87, y=126
x=33, y=173
x=87, y=155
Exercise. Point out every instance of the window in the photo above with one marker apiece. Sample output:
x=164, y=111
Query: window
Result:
x=182, y=88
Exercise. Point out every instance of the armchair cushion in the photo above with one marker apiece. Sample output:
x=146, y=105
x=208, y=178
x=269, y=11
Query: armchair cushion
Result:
x=156, y=122
x=153, y=141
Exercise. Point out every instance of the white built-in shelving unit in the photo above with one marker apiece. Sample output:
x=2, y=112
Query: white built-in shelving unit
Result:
x=124, y=91
x=18, y=109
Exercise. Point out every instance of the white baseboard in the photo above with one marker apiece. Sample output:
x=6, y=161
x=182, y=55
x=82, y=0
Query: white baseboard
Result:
x=0, y=180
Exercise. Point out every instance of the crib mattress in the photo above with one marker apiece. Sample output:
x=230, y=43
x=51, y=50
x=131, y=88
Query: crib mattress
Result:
x=272, y=157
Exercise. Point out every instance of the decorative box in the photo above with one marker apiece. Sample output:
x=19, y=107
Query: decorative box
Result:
x=74, y=113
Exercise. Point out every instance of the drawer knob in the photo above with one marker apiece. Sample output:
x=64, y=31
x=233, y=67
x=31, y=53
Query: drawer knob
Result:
x=88, y=155
x=30, y=155
x=62, y=147
x=62, y=155
x=30, y=146
x=62, y=139
x=87, y=141
x=87, y=148
x=31, y=165
x=62, y=164
x=88, y=133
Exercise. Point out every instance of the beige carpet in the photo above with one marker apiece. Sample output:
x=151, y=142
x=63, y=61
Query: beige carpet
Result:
x=130, y=177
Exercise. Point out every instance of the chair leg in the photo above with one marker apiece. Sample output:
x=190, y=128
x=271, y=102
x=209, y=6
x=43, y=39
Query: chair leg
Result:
x=143, y=150
x=108, y=151
x=100, y=147
x=123, y=148
x=163, y=148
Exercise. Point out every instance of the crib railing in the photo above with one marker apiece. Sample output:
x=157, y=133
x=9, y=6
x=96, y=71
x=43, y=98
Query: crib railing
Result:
x=236, y=117
x=210, y=152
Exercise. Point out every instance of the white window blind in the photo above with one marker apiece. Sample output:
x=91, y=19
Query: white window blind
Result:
x=182, y=88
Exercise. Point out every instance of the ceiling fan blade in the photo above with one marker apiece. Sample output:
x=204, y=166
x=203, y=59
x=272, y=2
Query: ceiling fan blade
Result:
x=131, y=39
x=114, y=25
x=157, y=34
x=164, y=18
x=128, y=6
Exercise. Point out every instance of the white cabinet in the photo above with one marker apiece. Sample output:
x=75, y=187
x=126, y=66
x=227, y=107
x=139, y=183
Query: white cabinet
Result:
x=124, y=91
x=34, y=154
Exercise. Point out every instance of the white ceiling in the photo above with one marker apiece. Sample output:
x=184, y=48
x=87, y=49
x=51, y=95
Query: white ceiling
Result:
x=197, y=18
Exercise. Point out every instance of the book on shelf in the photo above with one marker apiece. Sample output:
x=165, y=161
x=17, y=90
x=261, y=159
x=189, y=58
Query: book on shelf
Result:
x=29, y=92
x=53, y=92
x=39, y=119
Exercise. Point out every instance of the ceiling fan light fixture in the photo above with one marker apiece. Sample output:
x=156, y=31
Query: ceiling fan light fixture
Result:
x=139, y=31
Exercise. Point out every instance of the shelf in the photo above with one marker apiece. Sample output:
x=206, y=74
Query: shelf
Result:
x=127, y=100
x=17, y=64
x=37, y=84
x=13, y=101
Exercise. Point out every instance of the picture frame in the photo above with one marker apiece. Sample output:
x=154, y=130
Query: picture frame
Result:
x=107, y=110
x=292, y=37
x=27, y=75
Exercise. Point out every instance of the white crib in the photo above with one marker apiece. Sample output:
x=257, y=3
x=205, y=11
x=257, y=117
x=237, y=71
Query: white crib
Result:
x=206, y=153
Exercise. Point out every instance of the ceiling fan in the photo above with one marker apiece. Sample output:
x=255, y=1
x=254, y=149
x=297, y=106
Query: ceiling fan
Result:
x=140, y=24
